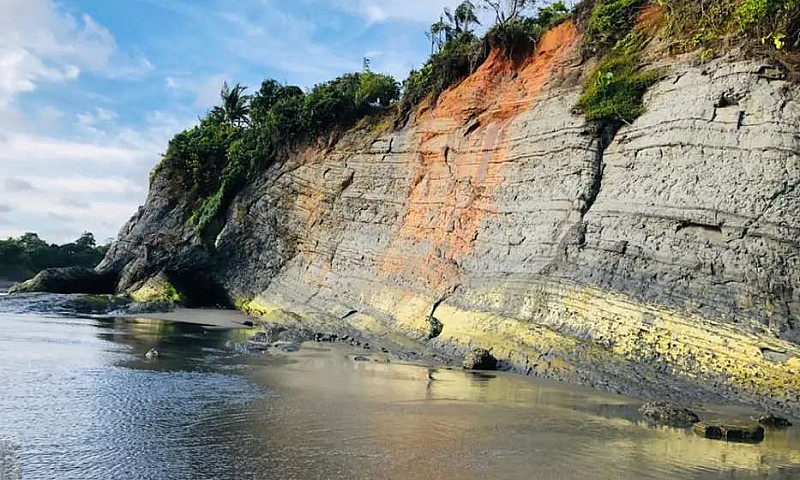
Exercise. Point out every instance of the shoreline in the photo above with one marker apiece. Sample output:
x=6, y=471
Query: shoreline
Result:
x=232, y=319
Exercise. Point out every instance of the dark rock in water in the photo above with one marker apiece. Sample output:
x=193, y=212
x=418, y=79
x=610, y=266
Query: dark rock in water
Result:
x=669, y=414
x=69, y=280
x=360, y=358
x=770, y=420
x=288, y=347
x=480, y=359
x=730, y=431
x=326, y=337
x=435, y=327
x=248, y=323
x=152, y=354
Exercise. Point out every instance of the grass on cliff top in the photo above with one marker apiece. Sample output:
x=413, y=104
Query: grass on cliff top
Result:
x=712, y=24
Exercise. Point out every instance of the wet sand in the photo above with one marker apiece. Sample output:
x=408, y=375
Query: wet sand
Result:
x=208, y=317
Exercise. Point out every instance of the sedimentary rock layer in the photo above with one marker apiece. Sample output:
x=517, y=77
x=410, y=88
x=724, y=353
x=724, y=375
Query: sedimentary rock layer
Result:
x=653, y=258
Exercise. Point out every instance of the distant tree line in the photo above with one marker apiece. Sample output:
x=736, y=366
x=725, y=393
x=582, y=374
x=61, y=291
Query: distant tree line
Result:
x=24, y=256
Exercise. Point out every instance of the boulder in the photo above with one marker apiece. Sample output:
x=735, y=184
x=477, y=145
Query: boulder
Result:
x=480, y=359
x=435, y=327
x=773, y=421
x=69, y=280
x=669, y=414
x=730, y=431
x=152, y=354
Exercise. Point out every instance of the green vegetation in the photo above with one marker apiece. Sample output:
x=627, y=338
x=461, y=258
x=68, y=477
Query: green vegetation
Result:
x=458, y=52
x=616, y=88
x=23, y=257
x=245, y=134
x=708, y=25
x=611, y=20
x=618, y=84
x=520, y=34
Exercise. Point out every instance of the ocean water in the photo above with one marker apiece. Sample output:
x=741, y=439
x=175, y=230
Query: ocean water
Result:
x=78, y=400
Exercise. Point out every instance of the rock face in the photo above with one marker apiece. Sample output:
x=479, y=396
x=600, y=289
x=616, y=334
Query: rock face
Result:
x=658, y=258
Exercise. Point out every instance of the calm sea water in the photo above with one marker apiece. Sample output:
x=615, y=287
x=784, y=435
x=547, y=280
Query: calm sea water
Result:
x=78, y=400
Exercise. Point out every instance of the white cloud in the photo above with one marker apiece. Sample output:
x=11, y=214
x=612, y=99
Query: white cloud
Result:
x=34, y=148
x=43, y=44
x=204, y=89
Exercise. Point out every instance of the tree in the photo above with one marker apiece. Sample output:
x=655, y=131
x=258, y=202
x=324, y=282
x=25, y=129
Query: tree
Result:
x=440, y=33
x=465, y=16
x=234, y=108
x=507, y=10
x=86, y=240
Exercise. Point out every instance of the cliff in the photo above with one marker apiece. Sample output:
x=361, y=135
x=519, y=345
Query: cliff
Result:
x=654, y=258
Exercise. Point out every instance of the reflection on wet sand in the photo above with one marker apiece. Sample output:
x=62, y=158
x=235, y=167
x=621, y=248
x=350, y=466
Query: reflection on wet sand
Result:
x=412, y=421
x=82, y=401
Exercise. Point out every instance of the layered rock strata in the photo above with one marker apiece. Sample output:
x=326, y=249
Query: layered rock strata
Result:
x=653, y=258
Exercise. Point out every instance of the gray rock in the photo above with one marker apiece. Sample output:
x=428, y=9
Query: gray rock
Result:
x=730, y=431
x=152, y=354
x=669, y=414
x=479, y=359
x=435, y=327
x=773, y=421
x=69, y=280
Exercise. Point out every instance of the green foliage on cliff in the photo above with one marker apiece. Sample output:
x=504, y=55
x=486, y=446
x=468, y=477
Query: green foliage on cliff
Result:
x=610, y=22
x=710, y=25
x=24, y=256
x=245, y=134
x=618, y=84
x=459, y=52
x=455, y=60
x=520, y=34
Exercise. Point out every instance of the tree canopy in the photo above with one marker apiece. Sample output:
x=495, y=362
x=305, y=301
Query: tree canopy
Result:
x=26, y=255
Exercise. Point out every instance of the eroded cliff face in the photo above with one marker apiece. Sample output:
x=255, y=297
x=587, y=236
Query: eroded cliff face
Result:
x=654, y=258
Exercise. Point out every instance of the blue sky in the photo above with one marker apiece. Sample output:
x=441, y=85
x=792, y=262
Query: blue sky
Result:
x=92, y=90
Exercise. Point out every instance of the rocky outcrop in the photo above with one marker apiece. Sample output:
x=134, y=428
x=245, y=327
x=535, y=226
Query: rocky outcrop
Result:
x=658, y=258
x=669, y=414
x=730, y=431
x=69, y=280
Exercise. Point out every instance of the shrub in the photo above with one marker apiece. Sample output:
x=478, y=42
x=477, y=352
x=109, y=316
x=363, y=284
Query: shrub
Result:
x=616, y=88
x=199, y=154
x=457, y=59
x=708, y=23
x=519, y=35
x=611, y=20
x=22, y=257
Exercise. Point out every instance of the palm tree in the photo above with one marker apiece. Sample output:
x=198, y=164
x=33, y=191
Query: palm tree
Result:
x=234, y=108
x=440, y=33
x=465, y=16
